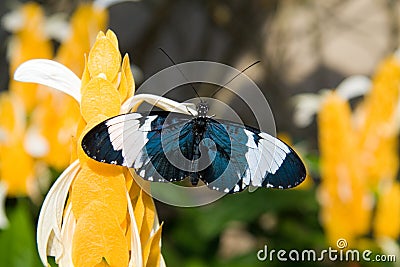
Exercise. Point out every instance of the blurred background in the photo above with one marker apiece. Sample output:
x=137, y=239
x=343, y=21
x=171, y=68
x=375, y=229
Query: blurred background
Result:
x=350, y=146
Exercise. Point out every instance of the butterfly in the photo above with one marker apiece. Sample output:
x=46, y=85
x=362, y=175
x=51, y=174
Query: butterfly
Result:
x=166, y=146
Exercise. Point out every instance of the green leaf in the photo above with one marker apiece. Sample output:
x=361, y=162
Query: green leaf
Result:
x=17, y=242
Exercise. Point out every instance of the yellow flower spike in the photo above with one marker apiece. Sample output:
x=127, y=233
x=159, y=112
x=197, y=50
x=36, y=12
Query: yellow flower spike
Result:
x=378, y=130
x=100, y=237
x=94, y=180
x=387, y=219
x=113, y=38
x=152, y=251
x=7, y=119
x=12, y=117
x=85, y=23
x=29, y=41
x=145, y=214
x=343, y=192
x=127, y=85
x=56, y=119
x=107, y=187
x=17, y=169
x=123, y=87
x=17, y=166
x=135, y=189
x=85, y=75
x=104, y=58
x=128, y=178
x=99, y=97
x=335, y=135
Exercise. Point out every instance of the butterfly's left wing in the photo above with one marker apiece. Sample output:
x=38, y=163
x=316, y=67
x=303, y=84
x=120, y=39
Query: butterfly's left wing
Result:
x=256, y=158
x=142, y=141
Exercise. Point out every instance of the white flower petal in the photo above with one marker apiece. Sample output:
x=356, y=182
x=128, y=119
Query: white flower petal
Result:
x=36, y=144
x=136, y=249
x=162, y=262
x=67, y=233
x=57, y=27
x=50, y=73
x=51, y=213
x=354, y=86
x=164, y=103
x=305, y=107
x=13, y=21
x=389, y=246
x=107, y=3
x=3, y=216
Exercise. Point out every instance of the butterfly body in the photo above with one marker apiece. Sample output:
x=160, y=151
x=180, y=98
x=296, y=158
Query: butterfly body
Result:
x=167, y=147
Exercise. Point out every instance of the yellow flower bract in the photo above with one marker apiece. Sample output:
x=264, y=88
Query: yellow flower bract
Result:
x=29, y=42
x=359, y=161
x=17, y=166
x=105, y=84
x=98, y=236
x=342, y=191
x=99, y=97
x=85, y=23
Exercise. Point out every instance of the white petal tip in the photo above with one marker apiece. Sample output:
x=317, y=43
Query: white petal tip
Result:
x=50, y=73
x=108, y=3
x=35, y=144
x=3, y=195
x=354, y=86
x=306, y=106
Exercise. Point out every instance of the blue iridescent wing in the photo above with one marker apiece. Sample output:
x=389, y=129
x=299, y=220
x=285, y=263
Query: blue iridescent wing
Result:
x=135, y=140
x=161, y=157
x=228, y=164
x=257, y=159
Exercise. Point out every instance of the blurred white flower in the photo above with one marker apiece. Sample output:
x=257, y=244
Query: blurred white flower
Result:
x=307, y=105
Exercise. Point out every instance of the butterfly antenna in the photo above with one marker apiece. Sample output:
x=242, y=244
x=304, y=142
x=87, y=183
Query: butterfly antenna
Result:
x=184, y=76
x=234, y=77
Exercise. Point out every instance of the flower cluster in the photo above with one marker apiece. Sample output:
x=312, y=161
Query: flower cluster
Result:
x=37, y=123
x=94, y=214
x=359, y=194
x=95, y=207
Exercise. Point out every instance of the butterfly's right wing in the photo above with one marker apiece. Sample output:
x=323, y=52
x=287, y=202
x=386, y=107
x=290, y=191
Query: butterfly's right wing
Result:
x=144, y=142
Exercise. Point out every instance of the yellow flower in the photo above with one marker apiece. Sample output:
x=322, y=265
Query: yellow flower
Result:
x=85, y=23
x=343, y=193
x=57, y=115
x=106, y=213
x=378, y=129
x=358, y=155
x=17, y=166
x=387, y=219
x=55, y=120
x=29, y=41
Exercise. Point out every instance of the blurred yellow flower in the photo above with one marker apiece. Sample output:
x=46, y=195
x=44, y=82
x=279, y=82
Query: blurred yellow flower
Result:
x=55, y=120
x=387, y=219
x=343, y=192
x=17, y=166
x=28, y=41
x=104, y=200
x=377, y=125
x=359, y=158
x=85, y=23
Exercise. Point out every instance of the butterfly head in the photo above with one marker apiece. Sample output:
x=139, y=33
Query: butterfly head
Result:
x=202, y=109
